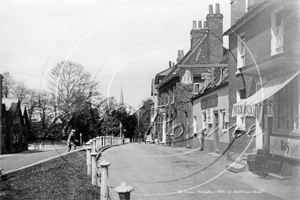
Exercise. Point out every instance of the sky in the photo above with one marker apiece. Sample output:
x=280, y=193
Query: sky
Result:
x=120, y=42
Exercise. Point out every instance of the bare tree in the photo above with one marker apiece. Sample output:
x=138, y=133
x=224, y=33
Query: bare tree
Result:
x=21, y=91
x=8, y=84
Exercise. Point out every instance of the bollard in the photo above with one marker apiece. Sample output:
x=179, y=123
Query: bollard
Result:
x=94, y=168
x=88, y=159
x=124, y=191
x=104, y=191
x=97, y=143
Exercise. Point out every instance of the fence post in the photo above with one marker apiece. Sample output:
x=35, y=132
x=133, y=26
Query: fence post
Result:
x=104, y=180
x=124, y=191
x=97, y=143
x=94, y=145
x=88, y=159
x=100, y=142
x=94, y=168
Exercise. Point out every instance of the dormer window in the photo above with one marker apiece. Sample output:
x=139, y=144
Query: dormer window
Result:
x=277, y=32
x=197, y=87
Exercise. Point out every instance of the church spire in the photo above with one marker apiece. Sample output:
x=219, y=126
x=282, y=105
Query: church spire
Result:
x=121, y=97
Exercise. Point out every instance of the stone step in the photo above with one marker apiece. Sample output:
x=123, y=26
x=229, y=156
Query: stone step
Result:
x=235, y=167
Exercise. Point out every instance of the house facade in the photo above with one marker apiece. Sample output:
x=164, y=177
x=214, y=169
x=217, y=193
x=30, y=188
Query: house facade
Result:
x=15, y=126
x=264, y=83
x=177, y=84
x=211, y=112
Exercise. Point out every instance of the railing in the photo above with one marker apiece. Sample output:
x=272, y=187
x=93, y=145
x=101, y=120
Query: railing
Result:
x=99, y=171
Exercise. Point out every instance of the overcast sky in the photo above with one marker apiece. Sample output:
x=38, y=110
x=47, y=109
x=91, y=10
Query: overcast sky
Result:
x=120, y=42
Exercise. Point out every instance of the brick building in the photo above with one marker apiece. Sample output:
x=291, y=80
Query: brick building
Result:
x=177, y=84
x=15, y=126
x=264, y=82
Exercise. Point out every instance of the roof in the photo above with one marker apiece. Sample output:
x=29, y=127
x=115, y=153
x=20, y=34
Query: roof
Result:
x=255, y=8
x=173, y=71
x=10, y=102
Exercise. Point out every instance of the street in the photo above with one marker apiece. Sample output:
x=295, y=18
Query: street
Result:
x=160, y=172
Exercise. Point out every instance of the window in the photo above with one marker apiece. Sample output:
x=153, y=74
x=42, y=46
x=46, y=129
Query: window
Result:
x=277, y=32
x=286, y=107
x=198, y=87
x=241, y=51
x=225, y=119
x=241, y=94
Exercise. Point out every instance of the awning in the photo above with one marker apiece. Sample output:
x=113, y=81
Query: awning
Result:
x=247, y=106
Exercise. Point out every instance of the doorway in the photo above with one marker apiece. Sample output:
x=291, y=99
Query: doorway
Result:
x=216, y=132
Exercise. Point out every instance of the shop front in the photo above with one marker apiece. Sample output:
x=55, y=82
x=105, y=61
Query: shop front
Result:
x=276, y=109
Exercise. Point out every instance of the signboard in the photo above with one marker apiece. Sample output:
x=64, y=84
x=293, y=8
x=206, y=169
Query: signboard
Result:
x=286, y=147
x=209, y=115
x=209, y=102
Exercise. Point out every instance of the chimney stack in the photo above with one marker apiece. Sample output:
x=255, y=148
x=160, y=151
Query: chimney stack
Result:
x=217, y=8
x=182, y=54
x=194, y=25
x=238, y=9
x=215, y=38
x=199, y=25
x=211, y=10
x=178, y=56
x=170, y=64
x=205, y=24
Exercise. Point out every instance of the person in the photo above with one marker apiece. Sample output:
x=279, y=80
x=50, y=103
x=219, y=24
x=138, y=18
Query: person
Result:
x=140, y=137
x=145, y=137
x=71, y=140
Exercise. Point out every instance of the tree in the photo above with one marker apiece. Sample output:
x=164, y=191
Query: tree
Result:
x=71, y=88
x=144, y=116
x=8, y=84
x=21, y=91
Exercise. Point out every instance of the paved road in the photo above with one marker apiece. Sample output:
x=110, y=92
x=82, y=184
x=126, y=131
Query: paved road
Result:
x=155, y=173
x=15, y=161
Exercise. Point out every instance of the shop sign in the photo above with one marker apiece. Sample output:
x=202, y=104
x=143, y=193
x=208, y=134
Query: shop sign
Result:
x=209, y=102
x=286, y=147
x=209, y=114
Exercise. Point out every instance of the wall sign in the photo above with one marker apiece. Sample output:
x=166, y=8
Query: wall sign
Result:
x=209, y=102
x=286, y=147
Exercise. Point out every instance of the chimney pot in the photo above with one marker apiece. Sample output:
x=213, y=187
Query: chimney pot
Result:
x=217, y=8
x=199, y=24
x=170, y=64
x=211, y=9
x=205, y=25
x=181, y=54
x=194, y=24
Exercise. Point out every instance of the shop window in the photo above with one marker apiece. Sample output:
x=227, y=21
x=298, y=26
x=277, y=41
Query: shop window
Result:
x=286, y=107
x=241, y=51
x=277, y=32
x=225, y=119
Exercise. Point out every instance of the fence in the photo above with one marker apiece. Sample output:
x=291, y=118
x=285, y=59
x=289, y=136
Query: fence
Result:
x=99, y=170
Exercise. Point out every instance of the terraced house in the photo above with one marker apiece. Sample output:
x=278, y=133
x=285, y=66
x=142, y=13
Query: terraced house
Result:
x=264, y=85
x=172, y=115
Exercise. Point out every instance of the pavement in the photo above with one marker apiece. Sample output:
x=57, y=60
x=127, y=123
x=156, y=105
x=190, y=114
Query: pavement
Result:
x=160, y=172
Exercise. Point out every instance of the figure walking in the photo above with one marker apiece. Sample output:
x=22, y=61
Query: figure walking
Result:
x=71, y=140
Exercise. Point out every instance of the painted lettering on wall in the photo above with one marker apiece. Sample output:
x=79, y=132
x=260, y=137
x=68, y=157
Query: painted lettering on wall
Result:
x=286, y=147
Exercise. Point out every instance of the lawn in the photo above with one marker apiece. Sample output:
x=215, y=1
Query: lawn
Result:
x=61, y=178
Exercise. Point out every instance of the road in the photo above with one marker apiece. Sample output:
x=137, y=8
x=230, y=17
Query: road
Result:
x=16, y=161
x=159, y=172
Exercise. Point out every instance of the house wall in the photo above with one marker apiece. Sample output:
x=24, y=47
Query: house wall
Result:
x=223, y=104
x=258, y=47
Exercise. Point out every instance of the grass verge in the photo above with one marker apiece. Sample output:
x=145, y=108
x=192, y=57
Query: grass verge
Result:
x=61, y=178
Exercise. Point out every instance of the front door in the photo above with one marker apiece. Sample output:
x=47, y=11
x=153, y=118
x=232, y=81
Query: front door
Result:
x=216, y=132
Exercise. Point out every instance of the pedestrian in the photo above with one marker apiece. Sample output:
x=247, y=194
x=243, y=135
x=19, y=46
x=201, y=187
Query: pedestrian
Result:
x=145, y=137
x=71, y=140
x=140, y=137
